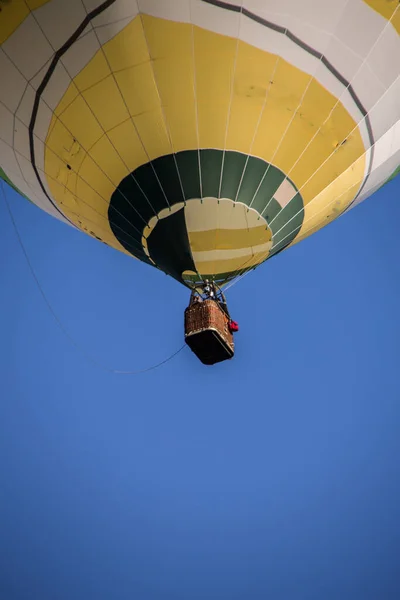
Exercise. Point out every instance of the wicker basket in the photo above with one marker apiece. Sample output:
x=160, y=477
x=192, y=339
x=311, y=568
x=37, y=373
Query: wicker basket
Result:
x=207, y=332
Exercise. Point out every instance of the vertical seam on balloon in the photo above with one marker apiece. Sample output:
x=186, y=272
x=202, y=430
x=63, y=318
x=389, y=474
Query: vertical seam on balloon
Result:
x=230, y=102
x=80, y=177
x=270, y=82
x=368, y=125
x=108, y=220
x=329, y=66
x=280, y=143
x=228, y=117
x=83, y=201
x=323, y=208
x=13, y=134
x=13, y=149
x=315, y=53
x=107, y=202
x=109, y=3
x=309, y=219
x=161, y=106
x=165, y=123
x=43, y=85
x=132, y=120
x=99, y=124
x=196, y=116
x=319, y=56
x=367, y=150
x=196, y=101
x=235, y=273
x=284, y=31
x=371, y=149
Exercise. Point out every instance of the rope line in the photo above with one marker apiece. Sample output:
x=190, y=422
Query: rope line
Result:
x=59, y=323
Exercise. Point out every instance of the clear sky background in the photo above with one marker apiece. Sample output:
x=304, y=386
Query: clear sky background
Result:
x=273, y=476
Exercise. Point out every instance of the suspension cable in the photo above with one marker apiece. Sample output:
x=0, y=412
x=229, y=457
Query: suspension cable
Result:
x=59, y=323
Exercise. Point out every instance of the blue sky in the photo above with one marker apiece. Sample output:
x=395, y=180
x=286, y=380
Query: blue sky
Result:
x=272, y=476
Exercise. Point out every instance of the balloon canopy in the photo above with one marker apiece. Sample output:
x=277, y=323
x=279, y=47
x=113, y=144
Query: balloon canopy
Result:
x=199, y=136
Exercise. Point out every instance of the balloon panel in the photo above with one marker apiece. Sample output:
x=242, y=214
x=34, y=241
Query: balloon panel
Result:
x=200, y=137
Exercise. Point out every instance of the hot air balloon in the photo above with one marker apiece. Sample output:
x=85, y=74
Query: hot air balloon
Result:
x=201, y=137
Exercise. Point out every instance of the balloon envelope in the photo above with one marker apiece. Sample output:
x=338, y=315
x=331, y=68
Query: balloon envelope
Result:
x=201, y=137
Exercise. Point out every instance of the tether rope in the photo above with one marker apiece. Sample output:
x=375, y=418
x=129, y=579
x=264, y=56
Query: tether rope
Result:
x=59, y=323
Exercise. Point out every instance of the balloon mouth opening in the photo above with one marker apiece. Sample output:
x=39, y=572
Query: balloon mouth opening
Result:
x=196, y=281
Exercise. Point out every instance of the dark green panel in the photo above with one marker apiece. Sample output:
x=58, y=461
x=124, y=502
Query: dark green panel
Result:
x=127, y=235
x=211, y=165
x=154, y=197
x=272, y=210
x=168, y=245
x=188, y=165
x=128, y=214
x=129, y=201
x=270, y=184
x=234, y=163
x=288, y=223
x=252, y=176
x=132, y=196
x=166, y=169
x=130, y=243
